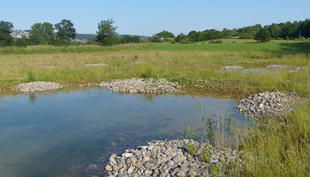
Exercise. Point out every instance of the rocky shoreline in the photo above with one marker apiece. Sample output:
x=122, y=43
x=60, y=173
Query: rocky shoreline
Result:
x=140, y=86
x=268, y=104
x=173, y=158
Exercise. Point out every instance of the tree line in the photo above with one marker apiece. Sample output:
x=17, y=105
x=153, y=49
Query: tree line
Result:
x=63, y=33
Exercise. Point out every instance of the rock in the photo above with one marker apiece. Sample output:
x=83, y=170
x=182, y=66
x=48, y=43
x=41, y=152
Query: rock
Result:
x=108, y=168
x=148, y=172
x=180, y=173
x=126, y=155
x=179, y=159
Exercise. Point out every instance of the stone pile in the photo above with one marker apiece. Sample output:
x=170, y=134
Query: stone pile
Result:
x=140, y=86
x=232, y=67
x=98, y=64
x=268, y=104
x=279, y=66
x=172, y=158
x=39, y=86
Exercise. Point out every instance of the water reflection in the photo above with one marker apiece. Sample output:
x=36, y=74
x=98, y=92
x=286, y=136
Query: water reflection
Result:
x=48, y=134
x=32, y=98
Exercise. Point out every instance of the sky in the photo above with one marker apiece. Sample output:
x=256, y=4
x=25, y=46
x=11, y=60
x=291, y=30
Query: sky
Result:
x=148, y=17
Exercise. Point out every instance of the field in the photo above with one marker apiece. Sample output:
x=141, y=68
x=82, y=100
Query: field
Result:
x=281, y=149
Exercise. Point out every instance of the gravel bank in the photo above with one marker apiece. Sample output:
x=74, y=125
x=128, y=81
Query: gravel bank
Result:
x=140, y=86
x=172, y=158
x=39, y=86
x=268, y=104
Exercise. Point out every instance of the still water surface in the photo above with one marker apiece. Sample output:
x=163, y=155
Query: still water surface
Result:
x=43, y=135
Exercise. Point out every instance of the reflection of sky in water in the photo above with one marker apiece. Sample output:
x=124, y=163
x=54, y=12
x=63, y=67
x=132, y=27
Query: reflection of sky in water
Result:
x=49, y=130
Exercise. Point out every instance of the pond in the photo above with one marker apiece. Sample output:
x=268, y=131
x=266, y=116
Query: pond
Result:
x=60, y=133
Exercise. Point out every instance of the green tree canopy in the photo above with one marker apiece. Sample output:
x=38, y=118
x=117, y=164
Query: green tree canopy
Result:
x=106, y=32
x=180, y=37
x=5, y=38
x=165, y=34
x=126, y=39
x=192, y=36
x=263, y=35
x=136, y=39
x=42, y=34
x=65, y=32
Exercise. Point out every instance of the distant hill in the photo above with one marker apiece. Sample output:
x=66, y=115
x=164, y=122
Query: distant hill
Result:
x=84, y=37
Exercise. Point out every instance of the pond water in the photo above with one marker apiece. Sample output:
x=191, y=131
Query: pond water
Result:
x=53, y=134
x=260, y=70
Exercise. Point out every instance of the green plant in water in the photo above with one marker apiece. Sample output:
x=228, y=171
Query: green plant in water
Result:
x=191, y=149
x=189, y=130
x=203, y=124
x=31, y=77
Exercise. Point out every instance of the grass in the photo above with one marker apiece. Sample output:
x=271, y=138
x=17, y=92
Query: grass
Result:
x=280, y=148
x=272, y=147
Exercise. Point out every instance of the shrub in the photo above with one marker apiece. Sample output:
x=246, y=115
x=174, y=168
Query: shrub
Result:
x=215, y=42
x=31, y=77
x=172, y=42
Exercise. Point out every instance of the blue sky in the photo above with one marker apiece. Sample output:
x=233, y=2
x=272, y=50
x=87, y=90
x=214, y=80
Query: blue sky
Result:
x=148, y=17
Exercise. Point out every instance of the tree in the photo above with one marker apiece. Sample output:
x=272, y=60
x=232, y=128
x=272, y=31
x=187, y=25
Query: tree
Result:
x=274, y=31
x=263, y=35
x=21, y=42
x=65, y=32
x=136, y=39
x=126, y=39
x=192, y=36
x=42, y=34
x=227, y=33
x=106, y=32
x=5, y=38
x=165, y=34
x=180, y=37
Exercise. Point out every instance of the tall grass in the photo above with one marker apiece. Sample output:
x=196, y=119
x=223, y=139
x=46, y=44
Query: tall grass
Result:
x=279, y=148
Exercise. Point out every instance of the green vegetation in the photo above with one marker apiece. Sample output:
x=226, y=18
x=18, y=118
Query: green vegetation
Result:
x=189, y=130
x=263, y=35
x=191, y=149
x=41, y=34
x=65, y=32
x=5, y=38
x=106, y=33
x=206, y=157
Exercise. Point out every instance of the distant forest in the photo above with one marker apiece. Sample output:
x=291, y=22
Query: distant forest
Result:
x=44, y=34
x=287, y=31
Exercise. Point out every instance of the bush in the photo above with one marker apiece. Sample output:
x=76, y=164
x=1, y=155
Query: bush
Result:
x=185, y=41
x=263, y=35
x=215, y=42
x=172, y=42
x=21, y=42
